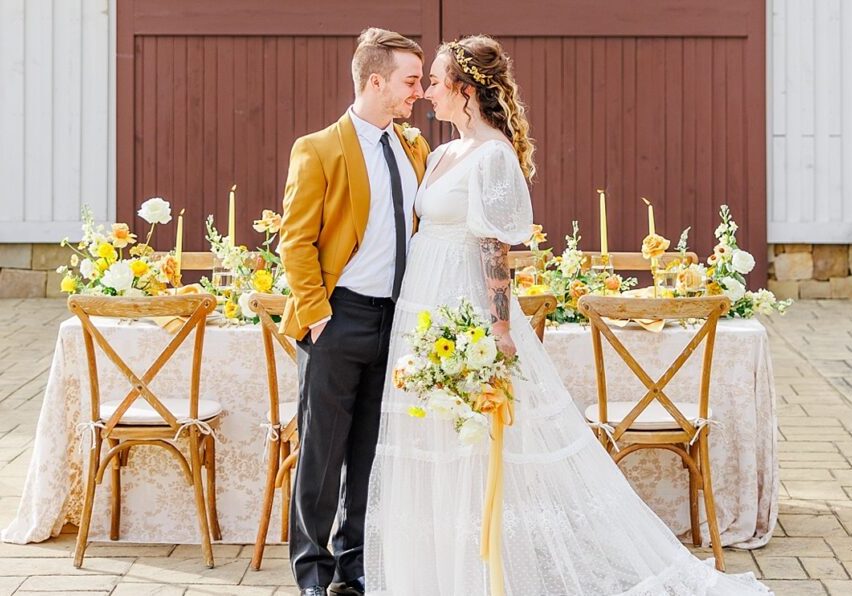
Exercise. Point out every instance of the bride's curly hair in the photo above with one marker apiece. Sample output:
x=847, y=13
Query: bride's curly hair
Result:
x=479, y=62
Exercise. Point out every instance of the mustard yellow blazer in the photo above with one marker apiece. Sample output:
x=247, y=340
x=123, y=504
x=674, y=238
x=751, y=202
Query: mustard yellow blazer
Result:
x=326, y=205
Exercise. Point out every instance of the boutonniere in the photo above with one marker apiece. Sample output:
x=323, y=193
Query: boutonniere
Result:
x=410, y=133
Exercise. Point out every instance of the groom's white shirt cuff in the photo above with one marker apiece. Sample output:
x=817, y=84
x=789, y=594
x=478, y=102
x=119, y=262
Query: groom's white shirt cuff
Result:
x=320, y=322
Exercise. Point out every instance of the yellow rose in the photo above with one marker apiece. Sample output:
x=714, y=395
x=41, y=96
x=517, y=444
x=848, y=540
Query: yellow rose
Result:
x=689, y=280
x=69, y=284
x=138, y=267
x=107, y=251
x=654, y=246
x=231, y=310
x=444, y=347
x=424, y=320
x=269, y=222
x=261, y=280
x=121, y=235
x=713, y=289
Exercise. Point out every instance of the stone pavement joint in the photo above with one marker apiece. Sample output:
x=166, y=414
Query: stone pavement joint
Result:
x=810, y=553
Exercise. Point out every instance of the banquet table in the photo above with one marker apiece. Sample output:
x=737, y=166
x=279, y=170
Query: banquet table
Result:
x=158, y=507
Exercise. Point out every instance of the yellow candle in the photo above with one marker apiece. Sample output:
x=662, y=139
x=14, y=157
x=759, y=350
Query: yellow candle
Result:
x=232, y=215
x=651, y=228
x=179, y=240
x=604, y=247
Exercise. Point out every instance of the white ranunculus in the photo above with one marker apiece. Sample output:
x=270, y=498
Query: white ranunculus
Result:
x=474, y=429
x=443, y=404
x=482, y=353
x=406, y=363
x=156, y=210
x=451, y=366
x=411, y=133
x=280, y=284
x=742, y=262
x=243, y=302
x=119, y=277
x=733, y=289
x=88, y=269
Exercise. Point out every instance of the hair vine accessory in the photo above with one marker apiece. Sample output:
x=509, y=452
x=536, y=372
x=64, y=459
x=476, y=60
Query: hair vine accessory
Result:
x=465, y=63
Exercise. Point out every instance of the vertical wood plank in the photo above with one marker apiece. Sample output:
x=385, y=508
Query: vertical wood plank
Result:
x=12, y=109
x=95, y=117
x=846, y=101
x=38, y=114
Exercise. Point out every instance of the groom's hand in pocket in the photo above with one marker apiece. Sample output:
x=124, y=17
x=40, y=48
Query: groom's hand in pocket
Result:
x=317, y=330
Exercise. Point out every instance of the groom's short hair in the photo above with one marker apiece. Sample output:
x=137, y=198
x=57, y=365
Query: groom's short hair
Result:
x=374, y=54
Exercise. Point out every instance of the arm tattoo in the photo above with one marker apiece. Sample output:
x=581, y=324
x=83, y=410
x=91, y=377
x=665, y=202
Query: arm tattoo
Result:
x=494, y=259
x=501, y=304
x=496, y=268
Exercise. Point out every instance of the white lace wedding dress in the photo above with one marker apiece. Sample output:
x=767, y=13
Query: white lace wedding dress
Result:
x=571, y=522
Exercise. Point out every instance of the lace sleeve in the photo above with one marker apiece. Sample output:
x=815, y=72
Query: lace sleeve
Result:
x=499, y=200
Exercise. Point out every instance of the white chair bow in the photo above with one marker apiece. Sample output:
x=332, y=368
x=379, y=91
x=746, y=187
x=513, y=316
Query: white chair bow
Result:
x=700, y=423
x=272, y=435
x=608, y=430
x=88, y=429
x=203, y=427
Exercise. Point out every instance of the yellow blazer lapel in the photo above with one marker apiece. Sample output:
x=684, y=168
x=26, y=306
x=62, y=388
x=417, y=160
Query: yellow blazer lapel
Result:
x=418, y=164
x=356, y=170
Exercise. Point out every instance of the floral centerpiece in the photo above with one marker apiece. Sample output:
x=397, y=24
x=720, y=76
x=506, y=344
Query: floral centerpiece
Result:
x=98, y=265
x=258, y=271
x=728, y=266
x=456, y=370
x=566, y=277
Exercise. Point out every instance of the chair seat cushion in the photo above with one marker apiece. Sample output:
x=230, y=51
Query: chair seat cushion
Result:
x=653, y=417
x=142, y=413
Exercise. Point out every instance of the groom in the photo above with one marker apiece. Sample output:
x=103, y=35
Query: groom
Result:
x=348, y=216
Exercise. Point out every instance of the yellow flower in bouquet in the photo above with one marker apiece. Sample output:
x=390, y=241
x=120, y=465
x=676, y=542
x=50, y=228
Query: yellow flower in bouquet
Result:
x=261, y=280
x=654, y=246
x=121, y=235
x=689, y=280
x=231, y=310
x=537, y=236
x=578, y=289
x=424, y=320
x=139, y=267
x=613, y=283
x=106, y=251
x=69, y=284
x=535, y=290
x=444, y=347
x=416, y=412
x=102, y=265
x=476, y=334
x=713, y=289
x=169, y=267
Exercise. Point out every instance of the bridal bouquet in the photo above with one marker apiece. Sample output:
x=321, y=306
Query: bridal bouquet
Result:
x=457, y=371
x=258, y=271
x=98, y=265
x=728, y=266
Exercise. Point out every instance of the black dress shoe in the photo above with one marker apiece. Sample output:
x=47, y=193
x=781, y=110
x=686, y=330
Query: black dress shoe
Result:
x=354, y=587
x=313, y=591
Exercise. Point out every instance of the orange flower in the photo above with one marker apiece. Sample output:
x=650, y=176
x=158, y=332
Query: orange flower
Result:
x=613, y=283
x=689, y=280
x=577, y=289
x=398, y=378
x=169, y=267
x=121, y=235
x=537, y=236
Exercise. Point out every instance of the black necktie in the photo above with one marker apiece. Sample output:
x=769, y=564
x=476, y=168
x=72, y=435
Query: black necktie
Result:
x=398, y=215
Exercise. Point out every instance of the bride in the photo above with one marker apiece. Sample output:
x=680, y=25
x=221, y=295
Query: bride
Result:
x=572, y=524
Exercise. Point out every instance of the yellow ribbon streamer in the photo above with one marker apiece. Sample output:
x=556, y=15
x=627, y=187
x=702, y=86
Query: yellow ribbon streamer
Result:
x=497, y=401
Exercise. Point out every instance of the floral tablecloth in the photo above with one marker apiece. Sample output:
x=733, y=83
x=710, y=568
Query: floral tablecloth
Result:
x=157, y=506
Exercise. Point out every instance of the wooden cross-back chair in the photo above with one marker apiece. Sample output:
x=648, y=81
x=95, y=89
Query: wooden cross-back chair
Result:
x=537, y=308
x=621, y=261
x=143, y=418
x=282, y=436
x=656, y=421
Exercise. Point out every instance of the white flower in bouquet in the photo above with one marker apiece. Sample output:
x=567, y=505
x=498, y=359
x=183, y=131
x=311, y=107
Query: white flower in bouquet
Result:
x=245, y=309
x=88, y=269
x=763, y=301
x=733, y=289
x=281, y=284
x=134, y=293
x=119, y=277
x=407, y=363
x=155, y=211
x=482, y=353
x=443, y=404
x=742, y=261
x=474, y=429
x=452, y=366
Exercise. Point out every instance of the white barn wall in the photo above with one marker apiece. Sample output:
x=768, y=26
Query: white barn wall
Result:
x=57, y=116
x=809, y=70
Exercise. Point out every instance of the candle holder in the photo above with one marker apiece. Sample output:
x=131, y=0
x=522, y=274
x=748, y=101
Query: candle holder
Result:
x=602, y=269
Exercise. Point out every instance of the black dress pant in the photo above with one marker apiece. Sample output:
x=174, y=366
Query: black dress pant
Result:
x=341, y=380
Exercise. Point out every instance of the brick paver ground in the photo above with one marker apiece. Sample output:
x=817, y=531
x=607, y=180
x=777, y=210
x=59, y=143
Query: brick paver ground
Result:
x=811, y=552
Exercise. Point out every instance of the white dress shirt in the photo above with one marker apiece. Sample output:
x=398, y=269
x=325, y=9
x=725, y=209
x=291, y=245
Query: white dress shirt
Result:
x=370, y=270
